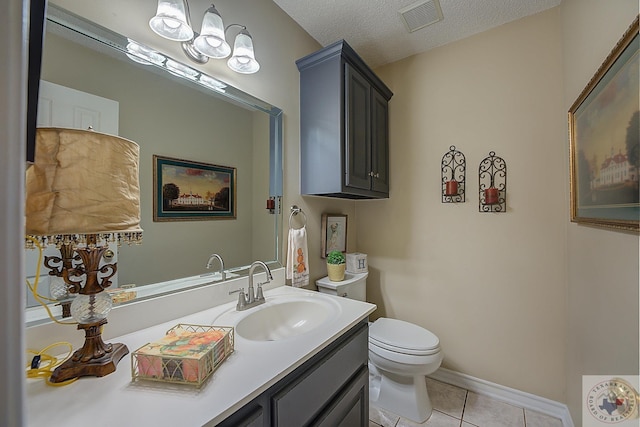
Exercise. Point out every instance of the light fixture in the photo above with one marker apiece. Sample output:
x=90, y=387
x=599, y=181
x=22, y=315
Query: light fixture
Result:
x=181, y=70
x=212, y=83
x=81, y=193
x=142, y=54
x=172, y=22
x=211, y=41
x=243, y=59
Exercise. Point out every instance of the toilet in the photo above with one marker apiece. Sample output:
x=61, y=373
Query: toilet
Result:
x=401, y=354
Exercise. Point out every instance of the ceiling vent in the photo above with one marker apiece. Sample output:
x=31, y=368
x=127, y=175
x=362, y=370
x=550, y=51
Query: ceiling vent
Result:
x=421, y=14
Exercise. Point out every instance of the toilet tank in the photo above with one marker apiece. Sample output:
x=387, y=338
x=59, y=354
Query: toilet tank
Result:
x=354, y=286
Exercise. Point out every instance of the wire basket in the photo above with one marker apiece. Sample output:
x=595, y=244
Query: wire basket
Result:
x=187, y=354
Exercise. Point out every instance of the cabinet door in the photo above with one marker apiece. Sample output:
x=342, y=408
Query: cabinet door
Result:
x=308, y=396
x=351, y=407
x=357, y=130
x=379, y=143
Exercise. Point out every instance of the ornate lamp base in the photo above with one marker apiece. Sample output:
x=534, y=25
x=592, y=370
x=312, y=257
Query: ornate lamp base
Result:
x=95, y=358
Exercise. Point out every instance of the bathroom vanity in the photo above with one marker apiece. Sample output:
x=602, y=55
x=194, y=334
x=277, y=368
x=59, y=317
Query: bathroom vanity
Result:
x=330, y=389
x=279, y=375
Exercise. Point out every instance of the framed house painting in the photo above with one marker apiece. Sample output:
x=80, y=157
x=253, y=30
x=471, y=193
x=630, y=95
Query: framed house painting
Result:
x=604, y=134
x=185, y=190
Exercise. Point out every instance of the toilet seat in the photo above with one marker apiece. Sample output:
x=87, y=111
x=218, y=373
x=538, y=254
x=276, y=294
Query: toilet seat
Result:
x=403, y=337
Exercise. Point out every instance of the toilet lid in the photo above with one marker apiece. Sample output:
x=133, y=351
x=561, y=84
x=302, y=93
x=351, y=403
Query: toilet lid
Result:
x=404, y=337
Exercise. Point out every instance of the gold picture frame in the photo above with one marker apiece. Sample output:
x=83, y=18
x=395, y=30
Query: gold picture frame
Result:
x=604, y=142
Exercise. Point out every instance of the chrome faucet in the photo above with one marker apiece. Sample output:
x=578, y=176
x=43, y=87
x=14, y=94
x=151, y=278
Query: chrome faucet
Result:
x=250, y=299
x=211, y=258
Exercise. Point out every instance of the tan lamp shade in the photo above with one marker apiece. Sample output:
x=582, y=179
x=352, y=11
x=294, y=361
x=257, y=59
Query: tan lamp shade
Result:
x=83, y=182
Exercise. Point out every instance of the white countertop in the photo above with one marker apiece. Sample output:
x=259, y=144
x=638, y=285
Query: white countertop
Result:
x=115, y=400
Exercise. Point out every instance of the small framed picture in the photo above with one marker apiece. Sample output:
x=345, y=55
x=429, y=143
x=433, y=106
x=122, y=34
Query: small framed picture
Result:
x=334, y=233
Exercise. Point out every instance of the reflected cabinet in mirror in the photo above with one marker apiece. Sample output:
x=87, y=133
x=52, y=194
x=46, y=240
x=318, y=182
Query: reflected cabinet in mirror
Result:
x=181, y=115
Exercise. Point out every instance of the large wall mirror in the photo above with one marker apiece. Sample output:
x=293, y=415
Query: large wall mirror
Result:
x=183, y=115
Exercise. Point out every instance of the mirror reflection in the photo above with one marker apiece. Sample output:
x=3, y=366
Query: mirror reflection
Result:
x=176, y=115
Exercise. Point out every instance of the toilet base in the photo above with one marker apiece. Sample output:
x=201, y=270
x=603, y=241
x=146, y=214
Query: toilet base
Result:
x=402, y=395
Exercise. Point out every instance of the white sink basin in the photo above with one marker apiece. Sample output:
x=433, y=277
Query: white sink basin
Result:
x=281, y=318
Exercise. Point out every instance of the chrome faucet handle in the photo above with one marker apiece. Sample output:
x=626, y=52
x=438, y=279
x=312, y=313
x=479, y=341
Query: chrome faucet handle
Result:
x=242, y=300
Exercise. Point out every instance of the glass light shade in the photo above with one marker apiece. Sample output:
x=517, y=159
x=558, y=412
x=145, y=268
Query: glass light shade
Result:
x=142, y=54
x=211, y=41
x=181, y=70
x=243, y=59
x=212, y=83
x=172, y=20
x=91, y=308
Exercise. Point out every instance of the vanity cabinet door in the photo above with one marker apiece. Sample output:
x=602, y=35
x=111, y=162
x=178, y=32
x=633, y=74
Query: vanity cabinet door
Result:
x=351, y=407
x=312, y=395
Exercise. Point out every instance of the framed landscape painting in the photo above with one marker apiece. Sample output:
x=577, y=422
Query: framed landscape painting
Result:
x=604, y=133
x=185, y=190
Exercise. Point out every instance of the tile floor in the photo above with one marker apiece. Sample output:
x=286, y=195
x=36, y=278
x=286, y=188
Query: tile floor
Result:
x=456, y=407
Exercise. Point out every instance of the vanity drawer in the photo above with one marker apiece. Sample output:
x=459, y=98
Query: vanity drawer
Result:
x=305, y=398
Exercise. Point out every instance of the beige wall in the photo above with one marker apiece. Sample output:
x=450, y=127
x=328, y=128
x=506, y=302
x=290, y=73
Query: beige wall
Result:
x=602, y=315
x=491, y=286
x=524, y=298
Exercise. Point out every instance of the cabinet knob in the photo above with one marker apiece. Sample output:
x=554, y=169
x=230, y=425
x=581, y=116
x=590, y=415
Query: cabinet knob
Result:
x=377, y=175
x=371, y=173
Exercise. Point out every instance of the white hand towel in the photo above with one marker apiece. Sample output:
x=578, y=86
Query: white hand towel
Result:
x=297, y=257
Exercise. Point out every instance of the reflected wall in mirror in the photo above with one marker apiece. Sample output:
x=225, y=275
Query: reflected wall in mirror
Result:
x=172, y=116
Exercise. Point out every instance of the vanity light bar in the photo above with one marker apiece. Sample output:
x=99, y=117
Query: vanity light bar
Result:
x=144, y=55
x=212, y=83
x=181, y=70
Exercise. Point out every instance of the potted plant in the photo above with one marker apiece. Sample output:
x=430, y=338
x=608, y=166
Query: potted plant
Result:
x=336, y=264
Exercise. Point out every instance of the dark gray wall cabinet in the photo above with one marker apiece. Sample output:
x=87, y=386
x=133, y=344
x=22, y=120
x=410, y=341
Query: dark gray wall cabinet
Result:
x=344, y=126
x=330, y=389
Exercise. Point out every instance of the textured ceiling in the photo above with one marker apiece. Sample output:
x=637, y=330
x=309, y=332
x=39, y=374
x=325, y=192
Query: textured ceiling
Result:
x=376, y=31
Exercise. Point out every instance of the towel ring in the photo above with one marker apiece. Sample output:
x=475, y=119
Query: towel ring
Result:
x=295, y=210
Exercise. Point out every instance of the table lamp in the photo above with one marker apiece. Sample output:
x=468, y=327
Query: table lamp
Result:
x=82, y=193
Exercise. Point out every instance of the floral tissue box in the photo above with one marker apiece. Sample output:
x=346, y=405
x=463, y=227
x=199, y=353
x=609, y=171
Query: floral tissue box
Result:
x=187, y=354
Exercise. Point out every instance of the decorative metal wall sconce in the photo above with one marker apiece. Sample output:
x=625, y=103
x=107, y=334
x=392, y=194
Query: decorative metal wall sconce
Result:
x=492, y=176
x=453, y=176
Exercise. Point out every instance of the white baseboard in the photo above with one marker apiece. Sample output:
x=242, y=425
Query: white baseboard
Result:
x=505, y=394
